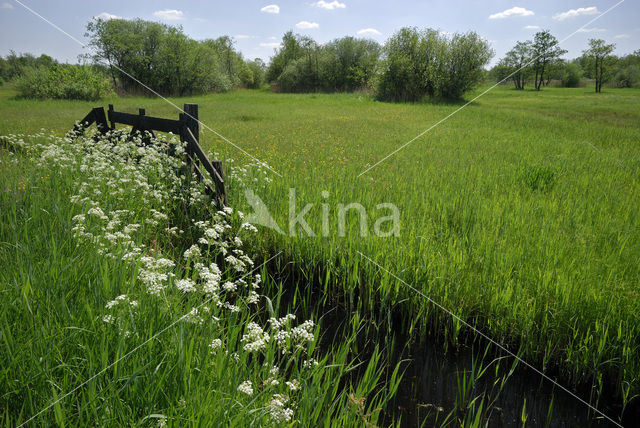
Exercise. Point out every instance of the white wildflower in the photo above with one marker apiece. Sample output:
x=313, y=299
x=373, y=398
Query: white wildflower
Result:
x=186, y=285
x=246, y=387
x=193, y=251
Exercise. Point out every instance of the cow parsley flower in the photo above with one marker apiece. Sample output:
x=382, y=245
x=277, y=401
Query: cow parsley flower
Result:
x=193, y=251
x=246, y=388
x=186, y=285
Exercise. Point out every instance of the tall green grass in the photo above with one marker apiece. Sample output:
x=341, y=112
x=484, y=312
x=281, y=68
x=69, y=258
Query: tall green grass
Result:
x=85, y=342
x=519, y=214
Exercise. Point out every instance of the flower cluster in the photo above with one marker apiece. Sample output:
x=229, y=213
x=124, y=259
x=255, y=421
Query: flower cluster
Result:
x=126, y=202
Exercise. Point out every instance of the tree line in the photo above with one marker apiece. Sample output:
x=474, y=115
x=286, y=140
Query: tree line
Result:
x=539, y=62
x=165, y=59
x=411, y=65
x=43, y=77
x=129, y=52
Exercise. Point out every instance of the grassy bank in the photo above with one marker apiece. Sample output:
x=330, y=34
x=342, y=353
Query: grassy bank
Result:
x=128, y=299
x=519, y=214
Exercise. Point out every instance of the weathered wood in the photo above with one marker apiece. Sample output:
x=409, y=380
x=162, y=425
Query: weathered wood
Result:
x=85, y=122
x=217, y=165
x=113, y=123
x=187, y=127
x=101, y=120
x=208, y=166
x=196, y=170
x=191, y=119
x=147, y=122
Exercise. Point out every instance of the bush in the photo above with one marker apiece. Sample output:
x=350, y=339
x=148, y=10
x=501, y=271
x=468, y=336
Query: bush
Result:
x=571, y=75
x=343, y=65
x=79, y=82
x=257, y=68
x=165, y=58
x=627, y=77
x=427, y=63
x=298, y=76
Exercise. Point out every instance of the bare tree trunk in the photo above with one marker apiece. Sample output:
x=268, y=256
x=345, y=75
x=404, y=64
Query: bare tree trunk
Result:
x=541, y=77
x=597, y=75
x=601, y=74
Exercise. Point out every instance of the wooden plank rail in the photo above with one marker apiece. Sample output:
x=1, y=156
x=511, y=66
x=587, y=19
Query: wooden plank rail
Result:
x=186, y=127
x=146, y=123
x=208, y=166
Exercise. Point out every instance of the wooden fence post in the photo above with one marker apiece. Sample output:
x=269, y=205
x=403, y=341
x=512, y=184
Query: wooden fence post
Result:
x=191, y=119
x=217, y=164
x=101, y=120
x=113, y=123
x=188, y=129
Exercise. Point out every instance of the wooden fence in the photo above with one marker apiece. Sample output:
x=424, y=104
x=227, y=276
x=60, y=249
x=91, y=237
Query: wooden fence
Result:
x=187, y=127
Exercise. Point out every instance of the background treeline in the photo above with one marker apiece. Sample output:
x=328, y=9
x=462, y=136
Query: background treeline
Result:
x=302, y=65
x=538, y=63
x=411, y=65
x=43, y=77
x=167, y=60
x=130, y=51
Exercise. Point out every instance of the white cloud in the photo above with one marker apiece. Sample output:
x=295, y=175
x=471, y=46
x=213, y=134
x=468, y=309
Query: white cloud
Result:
x=514, y=11
x=272, y=8
x=169, y=14
x=622, y=36
x=591, y=30
x=369, y=32
x=335, y=4
x=105, y=16
x=531, y=27
x=306, y=25
x=270, y=45
x=572, y=13
x=6, y=5
x=243, y=36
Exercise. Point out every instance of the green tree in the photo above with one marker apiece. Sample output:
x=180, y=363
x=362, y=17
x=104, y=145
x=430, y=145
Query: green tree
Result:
x=290, y=51
x=599, y=54
x=571, y=75
x=163, y=58
x=426, y=63
x=465, y=58
x=348, y=64
x=517, y=64
x=413, y=65
x=258, y=70
x=545, y=50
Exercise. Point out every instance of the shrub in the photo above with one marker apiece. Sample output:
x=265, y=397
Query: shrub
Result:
x=78, y=82
x=343, y=65
x=257, y=68
x=571, y=75
x=427, y=63
x=627, y=77
x=298, y=76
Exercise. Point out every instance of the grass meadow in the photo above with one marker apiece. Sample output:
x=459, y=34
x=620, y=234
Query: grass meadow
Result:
x=520, y=214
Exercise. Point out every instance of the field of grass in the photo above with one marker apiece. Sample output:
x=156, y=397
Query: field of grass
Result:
x=520, y=214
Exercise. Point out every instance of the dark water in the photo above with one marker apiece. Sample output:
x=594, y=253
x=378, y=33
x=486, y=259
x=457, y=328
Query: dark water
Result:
x=430, y=387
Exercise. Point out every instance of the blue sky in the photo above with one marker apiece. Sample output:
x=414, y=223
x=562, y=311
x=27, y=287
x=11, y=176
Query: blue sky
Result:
x=257, y=26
